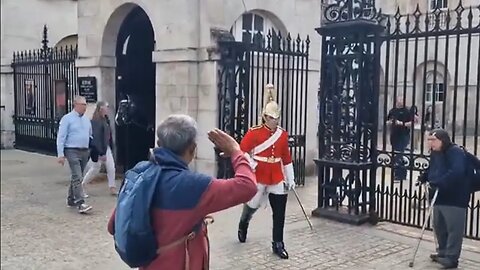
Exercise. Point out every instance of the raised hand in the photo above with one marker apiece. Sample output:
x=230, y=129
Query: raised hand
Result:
x=223, y=141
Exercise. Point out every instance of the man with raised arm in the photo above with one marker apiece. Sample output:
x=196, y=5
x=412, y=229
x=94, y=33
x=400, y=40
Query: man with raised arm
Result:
x=182, y=198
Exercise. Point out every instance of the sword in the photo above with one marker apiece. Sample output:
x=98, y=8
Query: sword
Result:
x=303, y=209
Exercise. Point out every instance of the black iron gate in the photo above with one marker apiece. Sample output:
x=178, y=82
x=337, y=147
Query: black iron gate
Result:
x=348, y=98
x=44, y=85
x=245, y=69
x=427, y=62
x=431, y=63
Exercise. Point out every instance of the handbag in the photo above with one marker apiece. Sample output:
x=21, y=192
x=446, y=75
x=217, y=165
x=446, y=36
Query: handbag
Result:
x=93, y=151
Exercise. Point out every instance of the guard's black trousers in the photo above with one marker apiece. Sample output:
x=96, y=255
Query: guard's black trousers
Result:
x=278, y=204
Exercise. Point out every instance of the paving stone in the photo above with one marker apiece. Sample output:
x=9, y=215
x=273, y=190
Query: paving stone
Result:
x=39, y=232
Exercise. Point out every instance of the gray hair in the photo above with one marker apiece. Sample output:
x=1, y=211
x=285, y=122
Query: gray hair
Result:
x=78, y=99
x=177, y=133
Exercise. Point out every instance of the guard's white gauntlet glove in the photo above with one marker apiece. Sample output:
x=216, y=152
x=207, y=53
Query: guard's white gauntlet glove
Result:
x=290, y=176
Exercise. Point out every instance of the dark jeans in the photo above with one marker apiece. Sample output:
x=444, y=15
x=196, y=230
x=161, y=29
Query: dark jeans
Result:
x=399, y=144
x=449, y=224
x=77, y=160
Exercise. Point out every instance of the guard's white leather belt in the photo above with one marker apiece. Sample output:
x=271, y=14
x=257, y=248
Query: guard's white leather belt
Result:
x=267, y=159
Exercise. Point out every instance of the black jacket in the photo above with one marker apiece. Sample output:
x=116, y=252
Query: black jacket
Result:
x=102, y=138
x=448, y=173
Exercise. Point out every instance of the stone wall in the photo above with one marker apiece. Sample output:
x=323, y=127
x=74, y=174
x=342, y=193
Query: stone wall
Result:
x=21, y=29
x=185, y=57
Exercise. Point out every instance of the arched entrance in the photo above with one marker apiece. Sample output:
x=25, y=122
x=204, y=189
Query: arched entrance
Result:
x=135, y=80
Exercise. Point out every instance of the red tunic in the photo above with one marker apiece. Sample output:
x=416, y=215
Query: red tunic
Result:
x=268, y=173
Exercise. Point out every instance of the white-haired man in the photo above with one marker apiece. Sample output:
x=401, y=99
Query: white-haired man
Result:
x=73, y=140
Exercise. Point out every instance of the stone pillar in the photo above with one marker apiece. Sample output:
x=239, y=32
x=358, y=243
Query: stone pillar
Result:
x=176, y=83
x=207, y=109
x=7, y=107
x=186, y=69
x=186, y=84
x=102, y=68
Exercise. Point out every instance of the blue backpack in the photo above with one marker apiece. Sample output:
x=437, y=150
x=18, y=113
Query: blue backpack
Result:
x=473, y=171
x=134, y=237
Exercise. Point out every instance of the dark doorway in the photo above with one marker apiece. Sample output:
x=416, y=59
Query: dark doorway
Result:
x=135, y=75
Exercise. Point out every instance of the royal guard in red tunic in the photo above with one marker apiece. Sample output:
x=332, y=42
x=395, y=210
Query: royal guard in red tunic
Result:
x=269, y=155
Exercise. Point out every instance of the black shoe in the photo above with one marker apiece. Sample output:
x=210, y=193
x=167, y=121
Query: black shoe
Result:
x=434, y=257
x=70, y=203
x=279, y=250
x=447, y=263
x=242, y=232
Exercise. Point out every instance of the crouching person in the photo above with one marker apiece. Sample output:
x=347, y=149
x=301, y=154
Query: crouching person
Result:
x=448, y=174
x=180, y=201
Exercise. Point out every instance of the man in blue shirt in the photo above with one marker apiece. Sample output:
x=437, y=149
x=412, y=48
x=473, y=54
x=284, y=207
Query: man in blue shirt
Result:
x=73, y=140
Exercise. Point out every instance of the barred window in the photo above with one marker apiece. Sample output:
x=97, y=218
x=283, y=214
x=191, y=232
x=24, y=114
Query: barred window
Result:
x=435, y=92
x=253, y=27
x=434, y=88
x=434, y=4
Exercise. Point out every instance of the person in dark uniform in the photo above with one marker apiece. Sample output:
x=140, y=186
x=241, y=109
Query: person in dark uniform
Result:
x=269, y=156
x=400, y=120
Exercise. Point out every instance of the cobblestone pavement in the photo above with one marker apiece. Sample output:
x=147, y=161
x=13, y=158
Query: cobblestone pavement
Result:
x=38, y=231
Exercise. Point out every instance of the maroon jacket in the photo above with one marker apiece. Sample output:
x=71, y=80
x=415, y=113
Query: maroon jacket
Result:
x=183, y=201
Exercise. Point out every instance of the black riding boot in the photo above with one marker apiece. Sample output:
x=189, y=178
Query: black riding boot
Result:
x=279, y=249
x=247, y=214
x=278, y=204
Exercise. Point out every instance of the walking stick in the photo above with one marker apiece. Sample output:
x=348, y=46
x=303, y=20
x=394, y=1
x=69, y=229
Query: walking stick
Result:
x=430, y=211
x=303, y=209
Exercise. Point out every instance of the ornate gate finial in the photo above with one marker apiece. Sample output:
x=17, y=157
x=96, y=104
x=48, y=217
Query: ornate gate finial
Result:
x=349, y=10
x=45, y=38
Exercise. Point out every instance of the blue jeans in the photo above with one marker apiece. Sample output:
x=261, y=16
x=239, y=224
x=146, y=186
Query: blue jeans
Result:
x=399, y=144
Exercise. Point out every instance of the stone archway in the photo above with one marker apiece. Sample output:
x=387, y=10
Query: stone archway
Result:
x=430, y=77
x=255, y=22
x=129, y=37
x=67, y=41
